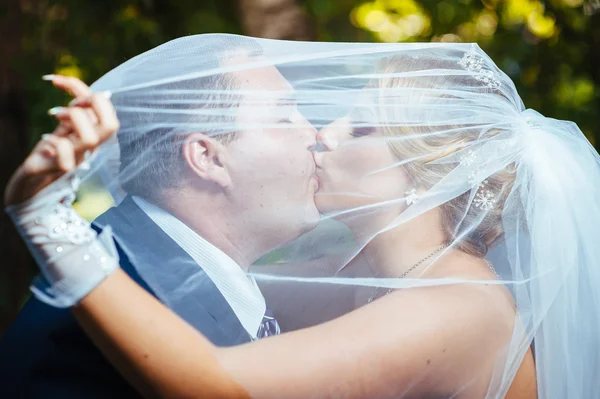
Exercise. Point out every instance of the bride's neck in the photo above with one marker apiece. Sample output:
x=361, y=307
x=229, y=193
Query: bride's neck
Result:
x=393, y=252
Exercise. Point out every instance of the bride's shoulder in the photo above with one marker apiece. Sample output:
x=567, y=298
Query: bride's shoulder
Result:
x=480, y=302
x=479, y=290
x=457, y=264
x=421, y=331
x=465, y=325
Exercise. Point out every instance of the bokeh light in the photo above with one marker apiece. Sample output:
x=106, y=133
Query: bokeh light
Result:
x=392, y=20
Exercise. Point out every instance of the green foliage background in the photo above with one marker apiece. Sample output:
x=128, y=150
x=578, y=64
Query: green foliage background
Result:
x=556, y=69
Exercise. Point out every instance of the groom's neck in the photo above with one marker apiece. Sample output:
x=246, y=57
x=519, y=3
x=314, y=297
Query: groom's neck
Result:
x=212, y=220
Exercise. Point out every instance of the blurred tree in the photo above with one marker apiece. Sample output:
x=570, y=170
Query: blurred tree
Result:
x=14, y=273
x=276, y=19
x=551, y=49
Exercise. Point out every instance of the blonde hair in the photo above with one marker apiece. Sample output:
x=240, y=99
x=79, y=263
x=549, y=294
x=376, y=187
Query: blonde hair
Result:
x=424, y=146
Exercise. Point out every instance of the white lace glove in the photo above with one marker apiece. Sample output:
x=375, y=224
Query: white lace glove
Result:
x=73, y=259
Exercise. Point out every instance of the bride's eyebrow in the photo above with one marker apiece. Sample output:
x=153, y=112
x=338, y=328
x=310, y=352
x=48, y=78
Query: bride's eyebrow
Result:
x=291, y=104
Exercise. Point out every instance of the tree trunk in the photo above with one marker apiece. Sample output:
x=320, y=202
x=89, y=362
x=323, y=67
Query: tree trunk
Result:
x=276, y=19
x=16, y=263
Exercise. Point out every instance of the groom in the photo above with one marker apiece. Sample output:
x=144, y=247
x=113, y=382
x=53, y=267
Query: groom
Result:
x=199, y=210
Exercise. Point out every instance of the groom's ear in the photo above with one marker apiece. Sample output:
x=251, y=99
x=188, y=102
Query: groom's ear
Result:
x=203, y=157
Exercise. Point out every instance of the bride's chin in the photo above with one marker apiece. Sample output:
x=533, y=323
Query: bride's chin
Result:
x=330, y=206
x=324, y=203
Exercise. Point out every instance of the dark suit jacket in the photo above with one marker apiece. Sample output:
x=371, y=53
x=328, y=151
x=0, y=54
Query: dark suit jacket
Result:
x=45, y=354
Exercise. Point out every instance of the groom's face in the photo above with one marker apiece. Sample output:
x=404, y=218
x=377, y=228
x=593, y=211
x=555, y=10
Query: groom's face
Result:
x=271, y=163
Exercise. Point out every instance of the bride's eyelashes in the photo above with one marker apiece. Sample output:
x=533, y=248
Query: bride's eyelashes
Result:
x=361, y=131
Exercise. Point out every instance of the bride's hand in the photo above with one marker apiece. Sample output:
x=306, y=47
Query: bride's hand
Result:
x=87, y=122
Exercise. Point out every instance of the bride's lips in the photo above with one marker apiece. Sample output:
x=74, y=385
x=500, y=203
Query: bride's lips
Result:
x=317, y=160
x=321, y=177
x=314, y=182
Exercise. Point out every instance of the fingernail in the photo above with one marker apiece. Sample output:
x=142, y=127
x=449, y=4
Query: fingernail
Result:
x=48, y=77
x=45, y=136
x=55, y=111
x=107, y=94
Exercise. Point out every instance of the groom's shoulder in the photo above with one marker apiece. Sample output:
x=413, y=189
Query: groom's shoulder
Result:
x=119, y=216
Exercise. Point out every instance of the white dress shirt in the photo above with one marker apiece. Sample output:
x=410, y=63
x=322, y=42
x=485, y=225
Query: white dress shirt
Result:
x=239, y=290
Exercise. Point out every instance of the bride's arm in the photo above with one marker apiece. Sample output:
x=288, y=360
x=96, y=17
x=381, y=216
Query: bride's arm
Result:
x=379, y=351
x=153, y=348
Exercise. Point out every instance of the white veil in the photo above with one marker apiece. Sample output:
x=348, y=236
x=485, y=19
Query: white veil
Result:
x=512, y=186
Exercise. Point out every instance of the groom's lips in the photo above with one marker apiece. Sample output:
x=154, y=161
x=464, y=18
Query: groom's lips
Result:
x=319, y=176
x=314, y=179
x=317, y=158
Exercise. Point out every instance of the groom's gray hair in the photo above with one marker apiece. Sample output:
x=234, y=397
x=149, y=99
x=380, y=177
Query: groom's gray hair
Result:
x=151, y=143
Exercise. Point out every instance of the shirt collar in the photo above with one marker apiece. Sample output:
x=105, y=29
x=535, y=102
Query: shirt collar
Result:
x=239, y=290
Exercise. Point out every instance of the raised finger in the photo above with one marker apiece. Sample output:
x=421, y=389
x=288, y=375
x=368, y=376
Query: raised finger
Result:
x=45, y=148
x=65, y=127
x=87, y=136
x=70, y=84
x=42, y=159
x=108, y=122
x=64, y=150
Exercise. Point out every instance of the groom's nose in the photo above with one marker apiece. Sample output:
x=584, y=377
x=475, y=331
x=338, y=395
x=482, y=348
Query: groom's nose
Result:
x=310, y=135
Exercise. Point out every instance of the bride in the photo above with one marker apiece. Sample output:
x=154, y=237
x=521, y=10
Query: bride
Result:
x=470, y=219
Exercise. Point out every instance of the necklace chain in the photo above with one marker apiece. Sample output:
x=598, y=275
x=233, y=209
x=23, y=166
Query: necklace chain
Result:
x=407, y=271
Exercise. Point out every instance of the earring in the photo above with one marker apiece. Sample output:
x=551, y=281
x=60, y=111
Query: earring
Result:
x=411, y=196
x=484, y=198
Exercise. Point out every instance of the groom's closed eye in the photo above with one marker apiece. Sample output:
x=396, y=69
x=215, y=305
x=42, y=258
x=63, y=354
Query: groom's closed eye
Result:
x=285, y=112
x=288, y=117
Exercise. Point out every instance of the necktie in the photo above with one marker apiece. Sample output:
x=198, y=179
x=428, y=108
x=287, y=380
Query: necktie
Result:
x=268, y=326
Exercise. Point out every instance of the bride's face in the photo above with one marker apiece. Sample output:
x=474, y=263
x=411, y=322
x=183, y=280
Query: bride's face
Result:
x=357, y=168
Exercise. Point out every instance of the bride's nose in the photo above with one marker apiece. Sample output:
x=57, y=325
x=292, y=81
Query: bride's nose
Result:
x=326, y=139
